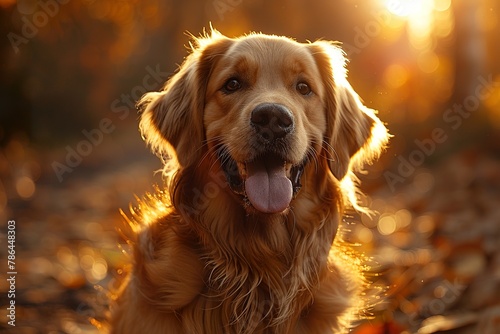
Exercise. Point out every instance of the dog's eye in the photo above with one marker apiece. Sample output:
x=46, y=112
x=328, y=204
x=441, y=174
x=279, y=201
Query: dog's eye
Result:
x=232, y=85
x=304, y=88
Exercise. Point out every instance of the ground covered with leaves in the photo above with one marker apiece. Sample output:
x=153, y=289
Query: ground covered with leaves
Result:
x=434, y=242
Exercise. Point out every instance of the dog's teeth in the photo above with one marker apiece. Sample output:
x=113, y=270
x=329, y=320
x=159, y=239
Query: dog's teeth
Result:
x=242, y=169
x=288, y=168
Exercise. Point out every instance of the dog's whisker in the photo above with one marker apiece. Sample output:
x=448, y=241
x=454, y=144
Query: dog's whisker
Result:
x=221, y=155
x=212, y=155
x=206, y=144
x=312, y=156
x=215, y=157
x=330, y=149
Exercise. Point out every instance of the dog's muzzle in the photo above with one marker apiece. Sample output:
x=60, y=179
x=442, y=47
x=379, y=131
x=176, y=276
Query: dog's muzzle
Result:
x=268, y=181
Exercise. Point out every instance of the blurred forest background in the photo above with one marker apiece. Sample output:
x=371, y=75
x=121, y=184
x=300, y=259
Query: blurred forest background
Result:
x=71, y=154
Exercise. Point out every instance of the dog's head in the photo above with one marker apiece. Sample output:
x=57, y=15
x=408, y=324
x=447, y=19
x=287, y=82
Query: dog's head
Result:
x=262, y=108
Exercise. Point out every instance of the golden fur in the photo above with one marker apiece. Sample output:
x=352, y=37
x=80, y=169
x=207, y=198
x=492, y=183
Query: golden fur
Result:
x=205, y=259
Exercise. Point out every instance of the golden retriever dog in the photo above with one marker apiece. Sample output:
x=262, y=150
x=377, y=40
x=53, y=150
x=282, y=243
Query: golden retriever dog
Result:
x=260, y=136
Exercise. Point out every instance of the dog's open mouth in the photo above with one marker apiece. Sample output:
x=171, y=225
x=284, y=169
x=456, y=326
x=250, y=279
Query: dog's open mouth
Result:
x=267, y=183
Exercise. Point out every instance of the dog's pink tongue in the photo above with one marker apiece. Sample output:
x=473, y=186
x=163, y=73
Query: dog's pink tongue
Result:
x=267, y=187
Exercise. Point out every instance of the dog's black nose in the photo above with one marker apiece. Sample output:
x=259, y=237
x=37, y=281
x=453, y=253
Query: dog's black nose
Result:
x=272, y=121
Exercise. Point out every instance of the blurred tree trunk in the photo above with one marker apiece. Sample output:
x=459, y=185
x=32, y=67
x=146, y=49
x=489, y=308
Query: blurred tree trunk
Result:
x=470, y=48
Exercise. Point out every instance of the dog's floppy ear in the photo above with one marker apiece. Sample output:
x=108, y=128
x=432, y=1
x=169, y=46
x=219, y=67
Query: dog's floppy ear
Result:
x=173, y=117
x=354, y=133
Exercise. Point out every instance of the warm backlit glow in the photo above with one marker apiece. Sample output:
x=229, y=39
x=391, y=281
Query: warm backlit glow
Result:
x=427, y=24
x=395, y=76
x=408, y=8
x=419, y=14
x=402, y=7
x=425, y=18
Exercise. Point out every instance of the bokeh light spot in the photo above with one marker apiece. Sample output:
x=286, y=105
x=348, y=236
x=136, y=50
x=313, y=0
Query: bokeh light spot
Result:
x=386, y=225
x=365, y=235
x=403, y=218
x=87, y=262
x=442, y=5
x=425, y=225
x=25, y=187
x=99, y=269
x=423, y=182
